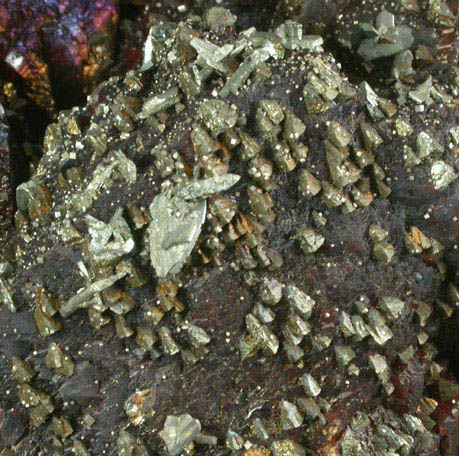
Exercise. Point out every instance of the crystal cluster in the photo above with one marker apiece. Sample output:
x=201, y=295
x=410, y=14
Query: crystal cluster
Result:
x=237, y=248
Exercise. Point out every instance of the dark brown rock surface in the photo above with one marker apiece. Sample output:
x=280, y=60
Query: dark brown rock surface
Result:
x=240, y=234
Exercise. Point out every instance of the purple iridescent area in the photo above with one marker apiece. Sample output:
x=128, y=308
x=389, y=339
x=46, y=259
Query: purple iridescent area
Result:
x=56, y=48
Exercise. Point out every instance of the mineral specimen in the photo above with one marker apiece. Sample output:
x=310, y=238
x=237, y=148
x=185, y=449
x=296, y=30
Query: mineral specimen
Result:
x=6, y=209
x=254, y=233
x=179, y=432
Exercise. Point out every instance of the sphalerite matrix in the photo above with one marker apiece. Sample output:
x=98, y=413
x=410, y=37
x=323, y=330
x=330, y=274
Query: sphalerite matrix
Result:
x=243, y=247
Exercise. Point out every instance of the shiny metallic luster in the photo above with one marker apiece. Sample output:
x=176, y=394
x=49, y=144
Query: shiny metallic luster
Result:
x=287, y=448
x=294, y=127
x=310, y=385
x=290, y=416
x=422, y=93
x=46, y=325
x=292, y=37
x=363, y=158
x=299, y=301
x=21, y=371
x=248, y=247
x=344, y=354
x=308, y=185
x=249, y=147
x=439, y=13
x=392, y=306
x=34, y=200
x=263, y=335
x=198, y=336
x=346, y=325
x=424, y=311
x=245, y=69
x=427, y=145
x=218, y=17
x=331, y=196
x=342, y=170
x=318, y=218
x=442, y=174
x=416, y=241
x=403, y=69
x=409, y=157
x=173, y=232
x=403, y=127
x=294, y=352
x=310, y=241
x=218, y=116
x=102, y=176
x=140, y=405
x=283, y=158
x=40, y=404
x=360, y=327
x=272, y=110
x=111, y=241
x=159, y=103
x=56, y=359
x=248, y=346
x=168, y=344
x=338, y=134
x=202, y=142
x=271, y=291
x=320, y=341
x=372, y=101
x=380, y=366
x=60, y=49
x=128, y=445
x=6, y=296
x=261, y=169
x=82, y=297
x=211, y=55
x=388, y=39
x=179, y=432
x=295, y=329
x=377, y=233
x=205, y=187
x=384, y=251
x=370, y=136
x=264, y=314
x=377, y=327
x=261, y=204
x=387, y=107
x=234, y=441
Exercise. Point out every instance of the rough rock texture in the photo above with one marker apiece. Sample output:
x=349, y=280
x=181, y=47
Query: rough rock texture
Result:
x=6, y=197
x=308, y=317
x=56, y=49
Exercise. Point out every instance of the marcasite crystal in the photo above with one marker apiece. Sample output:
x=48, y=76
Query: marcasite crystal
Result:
x=179, y=432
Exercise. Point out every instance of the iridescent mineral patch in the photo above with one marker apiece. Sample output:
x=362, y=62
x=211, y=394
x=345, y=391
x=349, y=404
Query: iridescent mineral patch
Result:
x=58, y=46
